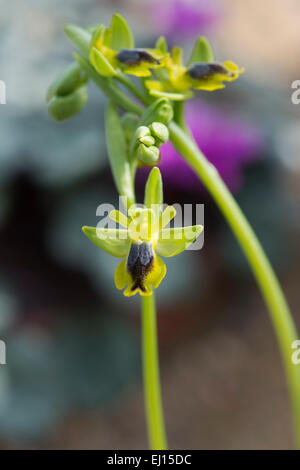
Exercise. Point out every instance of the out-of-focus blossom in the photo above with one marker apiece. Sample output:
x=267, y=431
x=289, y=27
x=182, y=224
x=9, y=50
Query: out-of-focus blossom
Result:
x=185, y=17
x=228, y=142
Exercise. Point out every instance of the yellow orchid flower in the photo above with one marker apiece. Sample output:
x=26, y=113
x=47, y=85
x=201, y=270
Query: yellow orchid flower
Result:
x=179, y=79
x=141, y=240
x=140, y=243
x=112, y=50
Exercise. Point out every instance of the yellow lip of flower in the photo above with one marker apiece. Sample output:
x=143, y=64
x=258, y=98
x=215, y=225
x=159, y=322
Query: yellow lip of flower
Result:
x=199, y=76
x=140, y=243
x=210, y=76
x=135, y=61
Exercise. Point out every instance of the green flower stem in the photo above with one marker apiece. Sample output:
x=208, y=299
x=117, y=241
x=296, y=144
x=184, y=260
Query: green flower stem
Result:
x=108, y=87
x=274, y=298
x=153, y=402
x=131, y=87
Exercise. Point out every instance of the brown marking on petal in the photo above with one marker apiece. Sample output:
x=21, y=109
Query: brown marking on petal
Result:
x=139, y=264
x=135, y=57
x=205, y=70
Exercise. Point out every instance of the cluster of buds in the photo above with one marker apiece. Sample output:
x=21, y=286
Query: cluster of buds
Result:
x=148, y=140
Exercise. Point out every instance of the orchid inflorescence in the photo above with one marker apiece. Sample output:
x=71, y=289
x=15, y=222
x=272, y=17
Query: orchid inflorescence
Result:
x=132, y=141
x=135, y=130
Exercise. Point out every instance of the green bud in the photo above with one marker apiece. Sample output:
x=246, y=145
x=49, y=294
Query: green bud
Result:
x=160, y=132
x=148, y=155
x=71, y=79
x=148, y=140
x=154, y=188
x=64, y=107
x=142, y=131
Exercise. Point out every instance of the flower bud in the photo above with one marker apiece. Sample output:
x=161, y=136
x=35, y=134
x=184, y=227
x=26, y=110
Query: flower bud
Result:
x=64, y=107
x=148, y=140
x=160, y=132
x=148, y=155
x=142, y=131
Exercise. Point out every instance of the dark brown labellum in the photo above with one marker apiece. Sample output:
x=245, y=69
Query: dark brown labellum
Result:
x=139, y=264
x=205, y=70
x=135, y=57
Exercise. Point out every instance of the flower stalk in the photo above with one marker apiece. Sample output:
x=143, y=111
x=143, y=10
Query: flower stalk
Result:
x=152, y=392
x=280, y=314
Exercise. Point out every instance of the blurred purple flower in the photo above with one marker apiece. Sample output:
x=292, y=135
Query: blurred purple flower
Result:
x=229, y=144
x=184, y=17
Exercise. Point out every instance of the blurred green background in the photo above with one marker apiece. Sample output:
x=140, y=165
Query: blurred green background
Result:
x=73, y=373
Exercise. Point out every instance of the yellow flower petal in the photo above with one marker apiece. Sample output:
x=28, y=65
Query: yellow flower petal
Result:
x=122, y=277
x=157, y=273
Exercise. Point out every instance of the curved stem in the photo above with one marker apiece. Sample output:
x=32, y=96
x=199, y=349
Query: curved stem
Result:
x=274, y=298
x=152, y=392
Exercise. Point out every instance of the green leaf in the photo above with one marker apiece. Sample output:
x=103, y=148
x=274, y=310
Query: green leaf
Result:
x=129, y=123
x=202, y=51
x=161, y=45
x=115, y=242
x=154, y=188
x=67, y=82
x=121, y=35
x=173, y=241
x=80, y=37
x=117, y=151
x=64, y=107
x=101, y=64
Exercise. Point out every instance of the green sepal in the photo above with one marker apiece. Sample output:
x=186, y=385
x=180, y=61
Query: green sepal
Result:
x=115, y=242
x=159, y=111
x=121, y=34
x=202, y=51
x=67, y=82
x=117, y=151
x=101, y=64
x=161, y=44
x=154, y=188
x=64, y=107
x=79, y=36
x=97, y=34
x=172, y=96
x=172, y=241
